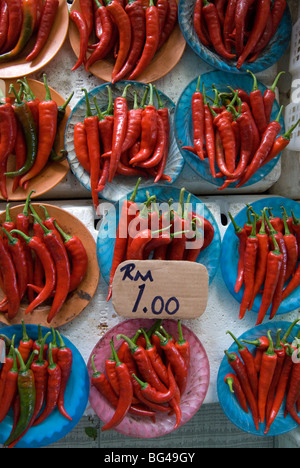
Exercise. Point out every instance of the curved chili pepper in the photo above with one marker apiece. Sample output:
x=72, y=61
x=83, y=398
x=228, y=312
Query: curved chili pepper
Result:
x=10, y=283
x=280, y=144
x=163, y=112
x=153, y=395
x=170, y=23
x=10, y=388
x=26, y=344
x=26, y=390
x=62, y=267
x=125, y=394
x=237, y=365
x=258, y=106
x=163, y=10
x=267, y=370
x=8, y=138
x=262, y=345
x=242, y=236
x=155, y=357
x=106, y=131
x=39, y=368
x=267, y=141
x=119, y=131
x=209, y=135
x=262, y=259
x=160, y=146
x=224, y=125
x=64, y=361
x=53, y=388
x=48, y=111
x=78, y=19
x=197, y=106
x=275, y=221
x=183, y=346
x=229, y=23
x=122, y=22
x=269, y=97
x=86, y=7
x=281, y=356
x=20, y=153
x=80, y=146
x=249, y=269
x=151, y=42
x=28, y=23
x=47, y=20
x=18, y=256
x=136, y=14
x=128, y=213
x=3, y=23
x=274, y=264
x=235, y=387
x=281, y=388
x=198, y=23
x=292, y=249
x=133, y=125
x=104, y=44
x=242, y=9
x=15, y=21
x=214, y=28
x=262, y=15
x=48, y=264
x=263, y=41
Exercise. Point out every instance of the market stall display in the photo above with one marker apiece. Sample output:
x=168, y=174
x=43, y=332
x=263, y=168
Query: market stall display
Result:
x=50, y=256
x=193, y=384
x=33, y=35
x=265, y=356
x=247, y=42
x=267, y=257
x=44, y=386
x=241, y=152
x=116, y=109
x=150, y=41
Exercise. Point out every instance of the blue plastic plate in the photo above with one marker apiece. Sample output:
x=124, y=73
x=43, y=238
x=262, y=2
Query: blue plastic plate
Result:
x=106, y=240
x=184, y=121
x=121, y=185
x=55, y=427
x=229, y=252
x=228, y=402
x=272, y=53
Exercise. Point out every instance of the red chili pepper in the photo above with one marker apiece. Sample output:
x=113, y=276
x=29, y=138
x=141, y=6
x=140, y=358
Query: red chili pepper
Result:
x=46, y=22
x=48, y=110
x=151, y=42
x=198, y=23
x=3, y=23
x=122, y=21
x=16, y=250
x=125, y=394
x=106, y=126
x=86, y=7
x=8, y=125
x=223, y=122
x=170, y=23
x=250, y=257
x=235, y=387
x=239, y=368
x=263, y=41
x=80, y=146
x=119, y=131
x=128, y=213
x=7, y=366
x=105, y=43
x=64, y=361
x=229, y=23
x=50, y=274
x=10, y=388
x=280, y=144
x=197, y=107
x=269, y=97
x=10, y=283
x=241, y=13
x=153, y=395
x=136, y=14
x=242, y=236
x=296, y=227
x=160, y=146
x=258, y=106
x=20, y=153
x=292, y=250
x=267, y=370
x=53, y=388
x=214, y=28
x=39, y=368
x=267, y=141
x=26, y=344
x=15, y=17
x=282, y=387
x=81, y=25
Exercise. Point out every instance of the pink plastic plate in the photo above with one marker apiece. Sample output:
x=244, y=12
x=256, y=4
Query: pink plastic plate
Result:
x=192, y=399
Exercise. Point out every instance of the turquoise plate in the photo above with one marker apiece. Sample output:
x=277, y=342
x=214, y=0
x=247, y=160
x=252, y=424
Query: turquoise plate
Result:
x=272, y=53
x=56, y=426
x=229, y=252
x=184, y=122
x=121, y=185
x=228, y=402
x=106, y=235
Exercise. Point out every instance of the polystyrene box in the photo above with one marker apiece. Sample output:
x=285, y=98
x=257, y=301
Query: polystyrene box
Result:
x=292, y=115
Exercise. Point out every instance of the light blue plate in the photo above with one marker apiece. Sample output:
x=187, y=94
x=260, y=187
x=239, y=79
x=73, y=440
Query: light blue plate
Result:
x=56, y=426
x=121, y=185
x=106, y=240
x=272, y=53
x=228, y=402
x=184, y=122
x=229, y=252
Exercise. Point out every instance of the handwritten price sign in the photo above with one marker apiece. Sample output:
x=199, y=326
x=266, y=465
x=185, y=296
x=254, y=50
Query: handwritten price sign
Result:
x=160, y=289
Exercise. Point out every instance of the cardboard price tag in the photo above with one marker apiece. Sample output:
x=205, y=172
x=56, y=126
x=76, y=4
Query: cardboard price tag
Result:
x=160, y=289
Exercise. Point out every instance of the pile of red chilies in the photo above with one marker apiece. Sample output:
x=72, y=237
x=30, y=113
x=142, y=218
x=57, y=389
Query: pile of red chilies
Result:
x=237, y=29
x=146, y=376
x=269, y=251
x=123, y=141
x=263, y=380
x=28, y=129
x=236, y=133
x=33, y=381
x=38, y=260
x=144, y=232
x=20, y=20
x=129, y=31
